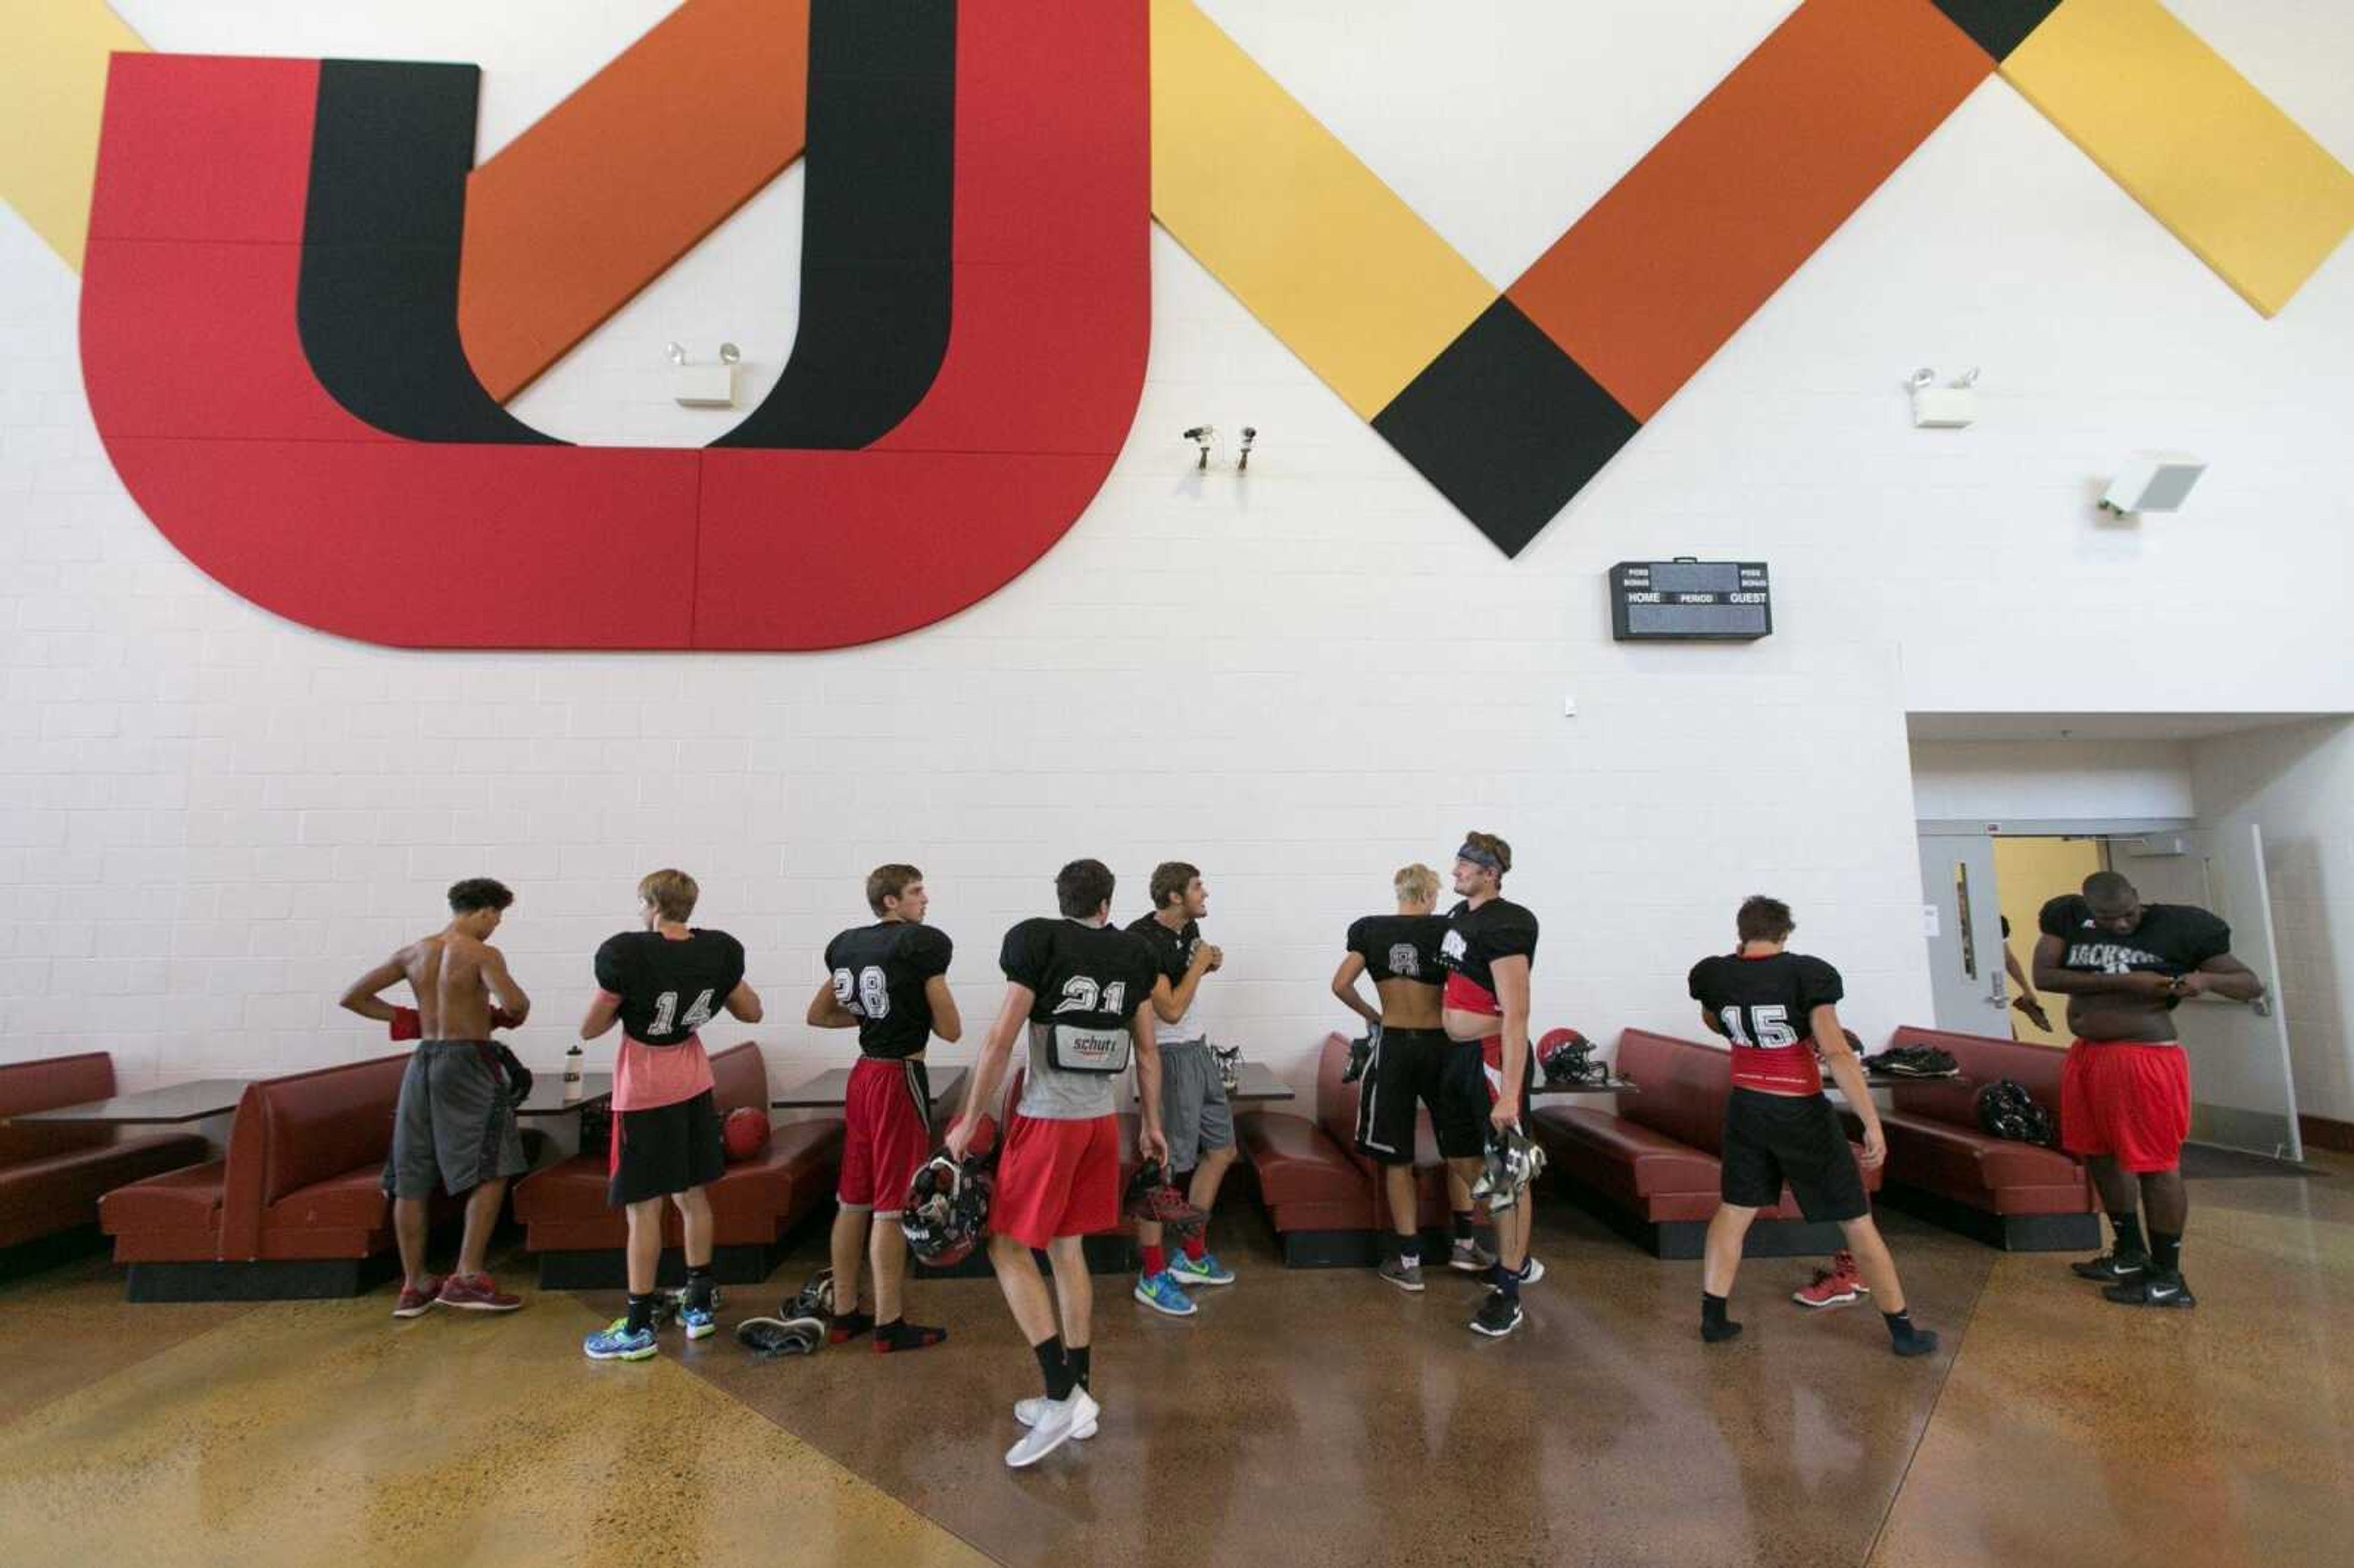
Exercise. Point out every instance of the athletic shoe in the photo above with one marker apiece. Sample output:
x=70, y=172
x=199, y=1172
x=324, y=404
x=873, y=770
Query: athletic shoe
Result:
x=1834, y=1286
x=2155, y=1288
x=1530, y=1270
x=618, y=1342
x=1499, y=1315
x=1059, y=1421
x=1471, y=1258
x=1203, y=1270
x=2114, y=1267
x=476, y=1293
x=1403, y=1274
x=1162, y=1294
x=1923, y=1342
x=698, y=1321
x=1028, y=1411
x=417, y=1301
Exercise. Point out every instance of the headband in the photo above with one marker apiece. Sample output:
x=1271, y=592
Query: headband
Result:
x=1479, y=856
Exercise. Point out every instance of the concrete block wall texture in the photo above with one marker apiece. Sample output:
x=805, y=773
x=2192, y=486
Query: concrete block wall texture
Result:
x=211, y=819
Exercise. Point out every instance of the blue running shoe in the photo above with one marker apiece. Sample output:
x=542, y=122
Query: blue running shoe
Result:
x=1203, y=1270
x=616, y=1343
x=699, y=1321
x=1163, y=1294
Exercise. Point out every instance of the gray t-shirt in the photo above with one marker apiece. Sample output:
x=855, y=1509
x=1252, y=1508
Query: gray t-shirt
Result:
x=1086, y=983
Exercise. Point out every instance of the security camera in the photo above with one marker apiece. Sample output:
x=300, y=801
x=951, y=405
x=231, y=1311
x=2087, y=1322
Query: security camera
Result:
x=1202, y=436
x=1250, y=434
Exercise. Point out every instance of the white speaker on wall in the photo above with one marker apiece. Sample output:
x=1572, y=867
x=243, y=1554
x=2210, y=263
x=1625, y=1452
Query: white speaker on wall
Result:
x=2153, y=481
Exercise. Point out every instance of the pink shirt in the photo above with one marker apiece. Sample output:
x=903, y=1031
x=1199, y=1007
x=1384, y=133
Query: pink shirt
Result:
x=649, y=1075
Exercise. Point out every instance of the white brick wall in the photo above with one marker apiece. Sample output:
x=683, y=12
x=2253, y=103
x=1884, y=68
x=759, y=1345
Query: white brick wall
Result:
x=209, y=819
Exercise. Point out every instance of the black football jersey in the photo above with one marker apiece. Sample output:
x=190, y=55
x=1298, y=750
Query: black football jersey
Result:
x=1476, y=939
x=1093, y=976
x=1173, y=952
x=878, y=974
x=669, y=990
x=1767, y=1003
x=2172, y=939
x=1401, y=946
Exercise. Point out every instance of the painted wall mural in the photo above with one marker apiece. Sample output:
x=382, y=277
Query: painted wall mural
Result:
x=298, y=345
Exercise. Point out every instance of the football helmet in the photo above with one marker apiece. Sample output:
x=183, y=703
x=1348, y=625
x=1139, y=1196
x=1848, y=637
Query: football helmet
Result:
x=1230, y=1066
x=947, y=1210
x=1567, y=1057
x=1360, y=1054
x=1513, y=1160
x=1153, y=1198
x=2006, y=1110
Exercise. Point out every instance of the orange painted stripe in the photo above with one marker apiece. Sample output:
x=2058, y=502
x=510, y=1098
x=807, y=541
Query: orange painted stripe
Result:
x=620, y=180
x=1670, y=262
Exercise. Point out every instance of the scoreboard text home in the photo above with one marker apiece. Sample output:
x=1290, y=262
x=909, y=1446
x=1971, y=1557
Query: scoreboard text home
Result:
x=1721, y=601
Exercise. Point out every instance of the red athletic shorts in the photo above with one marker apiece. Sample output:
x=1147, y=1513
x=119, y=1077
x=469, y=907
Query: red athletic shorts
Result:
x=887, y=1134
x=1492, y=1064
x=1056, y=1179
x=2128, y=1100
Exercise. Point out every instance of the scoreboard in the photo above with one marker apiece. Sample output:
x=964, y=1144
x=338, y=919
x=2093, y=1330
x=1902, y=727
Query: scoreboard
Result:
x=1716, y=601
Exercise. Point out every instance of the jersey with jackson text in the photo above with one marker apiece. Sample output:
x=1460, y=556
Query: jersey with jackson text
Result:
x=1765, y=1006
x=1476, y=939
x=669, y=988
x=879, y=973
x=1401, y=946
x=2172, y=939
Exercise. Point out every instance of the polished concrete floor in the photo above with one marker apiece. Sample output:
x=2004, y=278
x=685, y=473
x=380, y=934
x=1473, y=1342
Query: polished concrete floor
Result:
x=1300, y=1418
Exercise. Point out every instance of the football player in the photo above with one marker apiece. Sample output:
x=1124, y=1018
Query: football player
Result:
x=1779, y=1012
x=1410, y=1052
x=1489, y=948
x=1080, y=991
x=889, y=981
x=2125, y=1095
x=660, y=984
x=1195, y=1115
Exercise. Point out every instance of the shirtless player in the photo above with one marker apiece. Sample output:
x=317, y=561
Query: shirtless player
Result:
x=454, y=1121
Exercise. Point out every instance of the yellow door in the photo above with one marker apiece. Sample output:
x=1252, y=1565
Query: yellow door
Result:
x=2027, y=872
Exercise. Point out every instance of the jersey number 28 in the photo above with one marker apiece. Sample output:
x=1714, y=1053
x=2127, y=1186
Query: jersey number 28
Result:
x=865, y=992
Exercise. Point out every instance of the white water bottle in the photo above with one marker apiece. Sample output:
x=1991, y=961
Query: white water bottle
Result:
x=572, y=1060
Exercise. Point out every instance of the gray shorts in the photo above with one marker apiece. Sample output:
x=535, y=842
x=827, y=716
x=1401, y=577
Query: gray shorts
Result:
x=1194, y=1112
x=455, y=1124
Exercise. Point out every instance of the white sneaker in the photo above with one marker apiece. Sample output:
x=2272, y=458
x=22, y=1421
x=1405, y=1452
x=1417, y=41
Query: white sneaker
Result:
x=1028, y=1411
x=1536, y=1270
x=1058, y=1421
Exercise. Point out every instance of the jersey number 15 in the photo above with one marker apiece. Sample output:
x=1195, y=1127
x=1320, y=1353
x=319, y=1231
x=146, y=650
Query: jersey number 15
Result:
x=1768, y=1027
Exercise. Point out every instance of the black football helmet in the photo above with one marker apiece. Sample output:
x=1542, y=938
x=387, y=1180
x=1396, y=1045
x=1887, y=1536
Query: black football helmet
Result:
x=1229, y=1059
x=2006, y=1110
x=947, y=1210
x=1360, y=1054
x=1567, y=1057
x=1152, y=1197
x=1513, y=1160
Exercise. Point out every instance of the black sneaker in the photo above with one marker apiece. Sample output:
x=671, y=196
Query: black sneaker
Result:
x=2155, y=1288
x=1499, y=1315
x=2113, y=1268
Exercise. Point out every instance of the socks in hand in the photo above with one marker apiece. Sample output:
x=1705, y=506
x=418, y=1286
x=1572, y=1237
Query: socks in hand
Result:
x=1714, y=1326
x=1056, y=1366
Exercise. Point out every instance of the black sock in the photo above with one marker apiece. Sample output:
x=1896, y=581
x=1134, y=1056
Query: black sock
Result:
x=1463, y=1225
x=641, y=1311
x=1077, y=1359
x=2128, y=1229
x=1714, y=1326
x=699, y=1287
x=2166, y=1250
x=1506, y=1281
x=1406, y=1249
x=901, y=1335
x=1906, y=1340
x=1053, y=1362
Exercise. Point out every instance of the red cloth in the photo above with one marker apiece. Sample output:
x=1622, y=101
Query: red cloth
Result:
x=887, y=1136
x=406, y=1025
x=1466, y=995
x=1778, y=1070
x=645, y=1077
x=2125, y=1099
x=1056, y=1179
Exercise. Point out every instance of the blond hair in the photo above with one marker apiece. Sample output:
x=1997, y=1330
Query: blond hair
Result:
x=1416, y=884
x=671, y=893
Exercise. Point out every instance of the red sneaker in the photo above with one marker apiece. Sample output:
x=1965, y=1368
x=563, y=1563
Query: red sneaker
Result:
x=416, y=1299
x=1834, y=1286
x=476, y=1293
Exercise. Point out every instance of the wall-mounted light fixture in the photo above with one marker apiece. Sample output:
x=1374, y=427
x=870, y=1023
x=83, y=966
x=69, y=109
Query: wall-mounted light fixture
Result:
x=705, y=385
x=2152, y=481
x=1954, y=407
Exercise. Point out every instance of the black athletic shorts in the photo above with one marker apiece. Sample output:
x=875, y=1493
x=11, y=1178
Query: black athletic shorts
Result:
x=1404, y=1072
x=1464, y=1100
x=1773, y=1139
x=665, y=1150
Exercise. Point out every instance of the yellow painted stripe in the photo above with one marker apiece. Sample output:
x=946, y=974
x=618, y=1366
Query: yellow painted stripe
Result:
x=1287, y=218
x=52, y=87
x=2191, y=140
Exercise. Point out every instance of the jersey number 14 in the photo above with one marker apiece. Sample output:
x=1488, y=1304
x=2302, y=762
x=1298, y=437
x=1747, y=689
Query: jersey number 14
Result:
x=666, y=1004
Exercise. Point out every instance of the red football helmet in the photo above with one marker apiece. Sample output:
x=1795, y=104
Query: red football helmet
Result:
x=745, y=1132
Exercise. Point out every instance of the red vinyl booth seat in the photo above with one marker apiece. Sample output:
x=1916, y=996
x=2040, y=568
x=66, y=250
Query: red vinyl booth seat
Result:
x=302, y=1182
x=53, y=1178
x=1656, y=1157
x=1935, y=1143
x=753, y=1203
